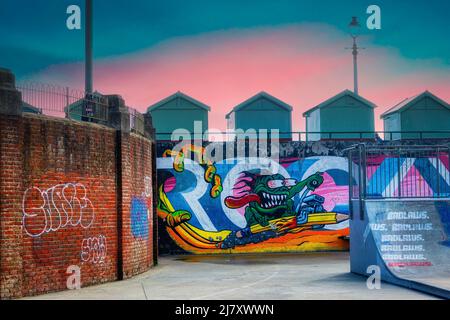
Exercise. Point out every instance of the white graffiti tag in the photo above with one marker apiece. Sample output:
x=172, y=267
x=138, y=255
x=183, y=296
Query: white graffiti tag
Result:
x=94, y=249
x=60, y=206
x=148, y=186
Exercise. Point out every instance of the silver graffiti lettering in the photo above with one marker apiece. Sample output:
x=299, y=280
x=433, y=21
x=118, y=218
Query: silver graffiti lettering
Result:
x=94, y=249
x=60, y=206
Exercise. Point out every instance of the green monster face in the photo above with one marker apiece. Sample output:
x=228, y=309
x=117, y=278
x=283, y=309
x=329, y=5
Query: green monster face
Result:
x=273, y=192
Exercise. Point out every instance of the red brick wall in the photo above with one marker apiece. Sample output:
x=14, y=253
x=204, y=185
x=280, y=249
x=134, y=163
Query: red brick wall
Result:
x=137, y=228
x=11, y=184
x=60, y=205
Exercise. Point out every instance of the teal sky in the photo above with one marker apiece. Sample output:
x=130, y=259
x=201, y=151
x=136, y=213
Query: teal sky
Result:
x=34, y=36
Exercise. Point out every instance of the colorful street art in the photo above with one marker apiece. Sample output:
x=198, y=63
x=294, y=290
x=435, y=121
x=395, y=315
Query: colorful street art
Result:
x=246, y=204
x=260, y=205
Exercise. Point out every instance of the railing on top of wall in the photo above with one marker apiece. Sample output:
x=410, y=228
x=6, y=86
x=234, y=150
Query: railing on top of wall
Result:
x=65, y=102
x=321, y=135
x=137, y=121
x=398, y=171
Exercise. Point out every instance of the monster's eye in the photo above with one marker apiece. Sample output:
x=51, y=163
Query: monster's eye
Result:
x=290, y=182
x=275, y=183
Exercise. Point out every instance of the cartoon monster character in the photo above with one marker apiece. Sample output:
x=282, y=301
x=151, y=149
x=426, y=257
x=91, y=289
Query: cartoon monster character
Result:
x=270, y=197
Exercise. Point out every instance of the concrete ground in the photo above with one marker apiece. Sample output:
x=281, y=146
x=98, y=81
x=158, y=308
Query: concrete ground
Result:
x=248, y=277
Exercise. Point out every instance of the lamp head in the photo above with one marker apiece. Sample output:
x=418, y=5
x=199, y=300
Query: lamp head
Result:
x=354, y=27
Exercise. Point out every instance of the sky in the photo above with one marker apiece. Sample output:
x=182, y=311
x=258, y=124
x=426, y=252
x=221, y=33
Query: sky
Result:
x=222, y=52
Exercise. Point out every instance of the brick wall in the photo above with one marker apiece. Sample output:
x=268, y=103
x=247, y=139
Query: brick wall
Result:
x=137, y=234
x=71, y=194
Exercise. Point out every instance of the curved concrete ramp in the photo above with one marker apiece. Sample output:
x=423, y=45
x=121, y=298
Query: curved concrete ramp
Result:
x=408, y=239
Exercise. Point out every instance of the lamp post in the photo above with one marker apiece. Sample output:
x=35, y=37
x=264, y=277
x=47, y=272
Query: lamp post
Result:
x=88, y=102
x=88, y=48
x=355, y=28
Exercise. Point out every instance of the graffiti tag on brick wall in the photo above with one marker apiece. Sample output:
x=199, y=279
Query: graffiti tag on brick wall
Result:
x=148, y=186
x=139, y=218
x=60, y=206
x=94, y=249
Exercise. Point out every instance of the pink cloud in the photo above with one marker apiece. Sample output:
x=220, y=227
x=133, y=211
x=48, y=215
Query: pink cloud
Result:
x=300, y=64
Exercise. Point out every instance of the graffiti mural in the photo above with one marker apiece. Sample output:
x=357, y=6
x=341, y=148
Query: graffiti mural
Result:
x=254, y=204
x=298, y=203
x=139, y=217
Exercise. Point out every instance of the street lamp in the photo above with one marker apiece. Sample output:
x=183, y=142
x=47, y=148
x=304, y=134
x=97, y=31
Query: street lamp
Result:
x=355, y=29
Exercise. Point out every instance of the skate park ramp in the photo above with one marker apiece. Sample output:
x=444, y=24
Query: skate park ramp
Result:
x=408, y=239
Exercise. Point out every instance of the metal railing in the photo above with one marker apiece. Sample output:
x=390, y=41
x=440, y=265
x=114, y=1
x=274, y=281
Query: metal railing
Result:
x=324, y=135
x=65, y=102
x=137, y=121
x=73, y=104
x=400, y=171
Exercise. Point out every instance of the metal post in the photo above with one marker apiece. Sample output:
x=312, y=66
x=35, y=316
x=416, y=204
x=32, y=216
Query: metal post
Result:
x=364, y=171
x=399, y=179
x=361, y=178
x=355, y=65
x=88, y=47
x=350, y=183
x=67, y=103
x=438, y=177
